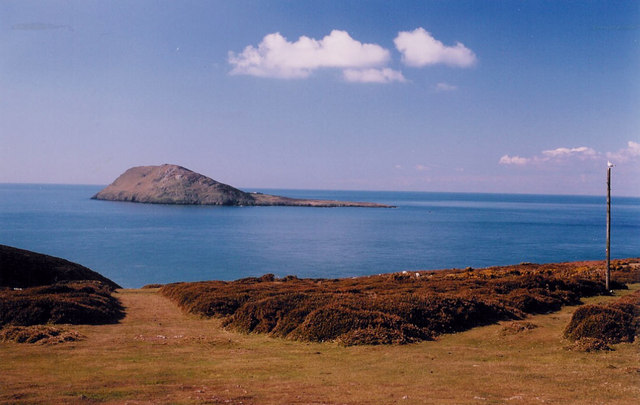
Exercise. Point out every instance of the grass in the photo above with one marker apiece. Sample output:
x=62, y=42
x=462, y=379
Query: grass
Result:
x=158, y=354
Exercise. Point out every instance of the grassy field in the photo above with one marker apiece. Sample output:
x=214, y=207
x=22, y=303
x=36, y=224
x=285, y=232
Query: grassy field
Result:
x=158, y=354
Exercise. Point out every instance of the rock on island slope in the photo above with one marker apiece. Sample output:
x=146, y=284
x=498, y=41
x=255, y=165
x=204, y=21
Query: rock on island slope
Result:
x=172, y=184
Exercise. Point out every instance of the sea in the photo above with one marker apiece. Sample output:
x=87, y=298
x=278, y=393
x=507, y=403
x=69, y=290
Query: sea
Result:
x=139, y=244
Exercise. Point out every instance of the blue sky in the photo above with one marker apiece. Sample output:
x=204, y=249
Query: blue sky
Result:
x=495, y=96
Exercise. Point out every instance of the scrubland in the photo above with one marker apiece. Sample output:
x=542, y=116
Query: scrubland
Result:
x=160, y=353
x=394, y=308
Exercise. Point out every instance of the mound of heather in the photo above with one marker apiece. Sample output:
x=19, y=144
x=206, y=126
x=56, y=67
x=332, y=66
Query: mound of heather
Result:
x=41, y=334
x=38, y=289
x=74, y=302
x=392, y=308
x=613, y=323
x=22, y=268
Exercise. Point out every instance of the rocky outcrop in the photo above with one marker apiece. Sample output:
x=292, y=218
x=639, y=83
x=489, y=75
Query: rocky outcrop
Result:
x=171, y=184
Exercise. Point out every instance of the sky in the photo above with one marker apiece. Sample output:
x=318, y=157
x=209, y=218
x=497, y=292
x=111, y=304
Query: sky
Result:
x=461, y=96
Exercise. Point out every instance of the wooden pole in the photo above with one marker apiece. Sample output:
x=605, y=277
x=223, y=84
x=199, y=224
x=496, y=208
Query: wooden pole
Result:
x=608, y=273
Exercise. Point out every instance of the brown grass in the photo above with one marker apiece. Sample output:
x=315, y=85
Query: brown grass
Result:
x=394, y=308
x=513, y=328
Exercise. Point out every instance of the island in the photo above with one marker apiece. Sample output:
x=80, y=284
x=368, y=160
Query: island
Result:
x=173, y=184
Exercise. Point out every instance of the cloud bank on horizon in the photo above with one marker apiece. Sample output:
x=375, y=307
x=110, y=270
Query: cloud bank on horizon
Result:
x=628, y=154
x=277, y=57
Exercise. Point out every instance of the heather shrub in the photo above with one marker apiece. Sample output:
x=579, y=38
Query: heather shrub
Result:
x=88, y=302
x=394, y=308
x=613, y=323
x=42, y=334
x=588, y=344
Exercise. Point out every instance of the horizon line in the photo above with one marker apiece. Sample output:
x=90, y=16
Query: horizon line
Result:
x=349, y=190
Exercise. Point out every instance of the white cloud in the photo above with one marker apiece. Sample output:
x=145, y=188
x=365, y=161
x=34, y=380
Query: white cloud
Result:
x=277, y=57
x=422, y=168
x=446, y=87
x=514, y=160
x=631, y=152
x=582, y=152
x=385, y=75
x=557, y=155
x=419, y=48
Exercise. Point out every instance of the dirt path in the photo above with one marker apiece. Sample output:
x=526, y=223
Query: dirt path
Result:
x=152, y=317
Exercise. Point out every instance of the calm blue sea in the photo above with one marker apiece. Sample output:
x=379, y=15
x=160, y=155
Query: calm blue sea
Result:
x=138, y=244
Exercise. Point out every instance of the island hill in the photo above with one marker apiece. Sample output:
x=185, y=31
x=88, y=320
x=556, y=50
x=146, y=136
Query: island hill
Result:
x=172, y=184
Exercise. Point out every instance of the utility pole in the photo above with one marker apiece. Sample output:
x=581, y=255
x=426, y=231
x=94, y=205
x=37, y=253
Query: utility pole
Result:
x=608, y=273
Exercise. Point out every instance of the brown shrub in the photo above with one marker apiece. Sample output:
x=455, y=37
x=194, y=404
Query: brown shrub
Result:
x=79, y=302
x=533, y=301
x=278, y=315
x=588, y=344
x=380, y=336
x=613, y=323
x=388, y=308
x=42, y=334
x=625, y=271
x=441, y=313
x=152, y=286
x=338, y=322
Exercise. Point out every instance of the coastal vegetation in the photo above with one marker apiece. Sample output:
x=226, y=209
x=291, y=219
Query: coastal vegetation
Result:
x=77, y=302
x=394, y=308
x=37, y=289
x=596, y=326
x=159, y=354
x=493, y=335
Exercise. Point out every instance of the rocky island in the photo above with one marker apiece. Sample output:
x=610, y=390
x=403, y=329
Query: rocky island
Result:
x=172, y=184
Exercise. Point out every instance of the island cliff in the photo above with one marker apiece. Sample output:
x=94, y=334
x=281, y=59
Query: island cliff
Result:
x=172, y=184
